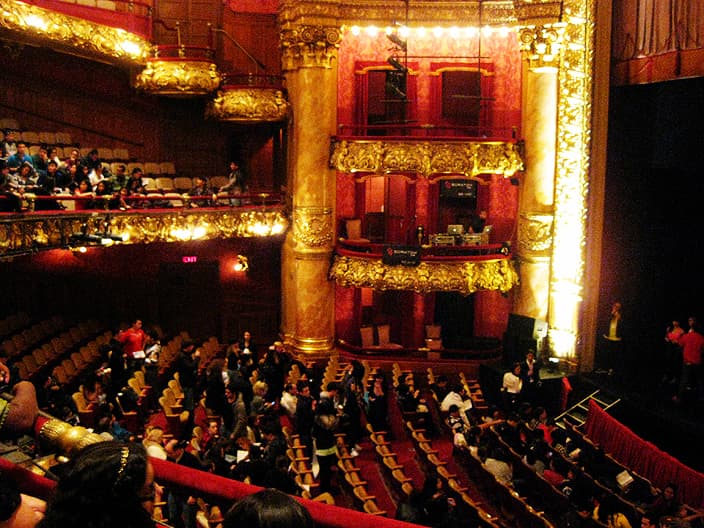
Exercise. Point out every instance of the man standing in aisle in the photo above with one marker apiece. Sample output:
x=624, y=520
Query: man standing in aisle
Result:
x=692, y=344
x=133, y=340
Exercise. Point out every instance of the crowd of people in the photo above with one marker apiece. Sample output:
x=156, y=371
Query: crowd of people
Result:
x=90, y=180
x=246, y=395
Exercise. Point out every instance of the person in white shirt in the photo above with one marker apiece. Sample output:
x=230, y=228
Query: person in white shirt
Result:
x=512, y=386
x=289, y=399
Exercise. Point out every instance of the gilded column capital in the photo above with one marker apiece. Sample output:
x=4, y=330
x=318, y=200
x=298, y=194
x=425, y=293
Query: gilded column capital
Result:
x=535, y=233
x=541, y=44
x=309, y=46
x=313, y=228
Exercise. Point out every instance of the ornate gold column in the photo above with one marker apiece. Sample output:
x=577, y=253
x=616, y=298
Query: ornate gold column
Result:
x=535, y=217
x=309, y=52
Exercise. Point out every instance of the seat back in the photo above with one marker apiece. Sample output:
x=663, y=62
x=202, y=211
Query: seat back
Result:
x=384, y=333
x=353, y=227
x=367, y=333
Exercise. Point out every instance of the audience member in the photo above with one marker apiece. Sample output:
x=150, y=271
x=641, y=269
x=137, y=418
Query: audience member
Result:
x=268, y=509
x=108, y=484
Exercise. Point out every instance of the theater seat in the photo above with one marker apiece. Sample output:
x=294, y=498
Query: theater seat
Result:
x=353, y=229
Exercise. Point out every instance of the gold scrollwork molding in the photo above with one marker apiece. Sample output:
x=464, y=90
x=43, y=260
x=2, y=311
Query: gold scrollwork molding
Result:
x=426, y=158
x=248, y=105
x=529, y=12
x=463, y=277
x=309, y=47
x=541, y=45
x=535, y=233
x=34, y=233
x=313, y=227
x=178, y=78
x=81, y=36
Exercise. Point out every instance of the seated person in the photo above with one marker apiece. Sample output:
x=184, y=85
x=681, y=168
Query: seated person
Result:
x=200, y=189
x=19, y=157
x=9, y=144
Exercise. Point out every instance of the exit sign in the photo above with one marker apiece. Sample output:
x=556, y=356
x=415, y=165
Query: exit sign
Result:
x=189, y=259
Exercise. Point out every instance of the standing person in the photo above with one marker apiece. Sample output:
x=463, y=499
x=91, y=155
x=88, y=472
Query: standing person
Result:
x=133, y=340
x=530, y=372
x=612, y=353
x=235, y=183
x=186, y=365
x=692, y=344
x=325, y=425
x=672, y=353
x=108, y=484
x=247, y=346
x=182, y=506
x=512, y=386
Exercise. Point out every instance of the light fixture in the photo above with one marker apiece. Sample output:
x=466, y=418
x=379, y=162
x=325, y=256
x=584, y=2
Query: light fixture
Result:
x=241, y=264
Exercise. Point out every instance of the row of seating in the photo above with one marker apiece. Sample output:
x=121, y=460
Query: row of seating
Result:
x=31, y=364
x=14, y=322
x=71, y=368
x=352, y=478
x=21, y=341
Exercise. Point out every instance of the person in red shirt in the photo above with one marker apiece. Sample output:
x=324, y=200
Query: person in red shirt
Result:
x=133, y=340
x=692, y=344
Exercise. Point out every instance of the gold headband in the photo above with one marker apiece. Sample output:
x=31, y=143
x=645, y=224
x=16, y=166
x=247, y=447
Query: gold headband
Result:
x=124, y=455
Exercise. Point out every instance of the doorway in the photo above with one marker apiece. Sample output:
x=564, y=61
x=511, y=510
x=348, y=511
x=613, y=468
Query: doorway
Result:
x=189, y=298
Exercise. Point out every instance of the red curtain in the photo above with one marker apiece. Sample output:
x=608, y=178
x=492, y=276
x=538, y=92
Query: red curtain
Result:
x=643, y=457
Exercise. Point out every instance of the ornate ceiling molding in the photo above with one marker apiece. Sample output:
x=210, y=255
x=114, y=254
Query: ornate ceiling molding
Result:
x=248, y=105
x=469, y=158
x=463, y=277
x=74, y=35
x=32, y=233
x=178, y=77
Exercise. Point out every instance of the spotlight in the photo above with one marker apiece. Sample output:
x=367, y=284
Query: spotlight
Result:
x=241, y=264
x=393, y=37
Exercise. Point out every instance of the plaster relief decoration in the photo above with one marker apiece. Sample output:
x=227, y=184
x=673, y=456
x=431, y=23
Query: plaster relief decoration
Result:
x=248, y=105
x=178, y=77
x=462, y=277
x=469, y=158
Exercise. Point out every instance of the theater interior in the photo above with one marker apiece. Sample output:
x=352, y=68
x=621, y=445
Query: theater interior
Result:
x=432, y=187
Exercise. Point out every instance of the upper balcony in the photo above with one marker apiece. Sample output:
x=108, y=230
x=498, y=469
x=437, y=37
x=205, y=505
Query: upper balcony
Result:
x=78, y=223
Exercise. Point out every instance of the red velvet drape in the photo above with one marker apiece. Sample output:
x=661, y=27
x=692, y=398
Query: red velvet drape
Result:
x=643, y=457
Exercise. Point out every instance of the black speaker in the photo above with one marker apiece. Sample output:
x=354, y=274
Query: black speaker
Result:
x=519, y=337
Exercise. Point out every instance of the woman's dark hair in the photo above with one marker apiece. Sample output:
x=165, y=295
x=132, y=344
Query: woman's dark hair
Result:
x=101, y=487
x=268, y=509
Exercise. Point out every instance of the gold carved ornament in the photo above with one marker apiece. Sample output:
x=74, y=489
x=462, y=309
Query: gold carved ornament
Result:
x=248, y=105
x=462, y=277
x=309, y=47
x=313, y=227
x=542, y=45
x=31, y=234
x=535, y=233
x=82, y=36
x=470, y=158
x=178, y=78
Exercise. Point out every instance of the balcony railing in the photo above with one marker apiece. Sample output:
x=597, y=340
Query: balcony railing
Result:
x=462, y=269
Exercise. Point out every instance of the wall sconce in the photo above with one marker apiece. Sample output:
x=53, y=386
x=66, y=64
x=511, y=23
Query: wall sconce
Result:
x=241, y=264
